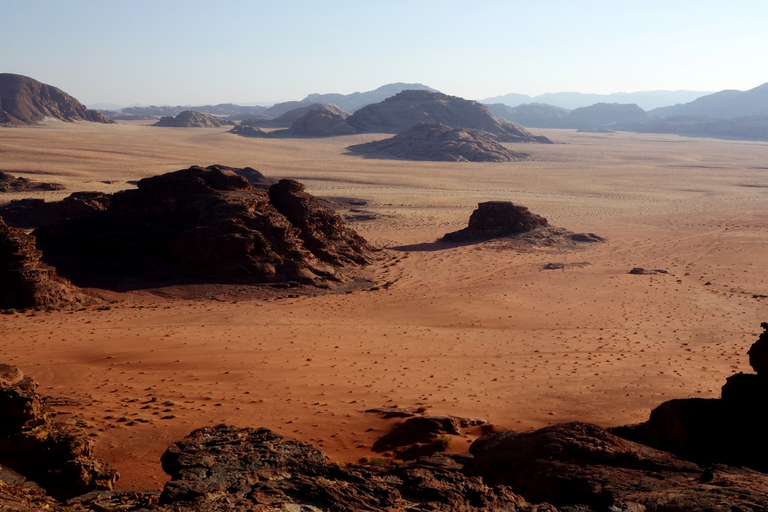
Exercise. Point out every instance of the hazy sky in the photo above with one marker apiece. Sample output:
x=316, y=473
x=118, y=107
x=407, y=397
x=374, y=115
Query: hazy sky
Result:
x=196, y=52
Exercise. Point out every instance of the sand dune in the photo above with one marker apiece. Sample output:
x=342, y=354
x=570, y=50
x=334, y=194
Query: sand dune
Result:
x=476, y=330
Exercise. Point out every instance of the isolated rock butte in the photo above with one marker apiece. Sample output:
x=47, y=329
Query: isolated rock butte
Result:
x=408, y=108
x=24, y=281
x=323, y=121
x=497, y=218
x=441, y=143
x=729, y=430
x=24, y=100
x=33, y=444
x=205, y=225
x=192, y=119
x=10, y=183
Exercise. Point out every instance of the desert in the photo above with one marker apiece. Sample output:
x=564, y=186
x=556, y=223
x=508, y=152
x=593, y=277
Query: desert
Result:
x=478, y=330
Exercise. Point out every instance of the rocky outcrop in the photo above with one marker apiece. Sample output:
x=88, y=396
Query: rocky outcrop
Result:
x=323, y=121
x=204, y=225
x=586, y=468
x=497, y=218
x=192, y=119
x=227, y=468
x=248, y=131
x=24, y=100
x=605, y=114
x=32, y=444
x=10, y=183
x=440, y=143
x=24, y=281
x=729, y=430
x=408, y=108
x=33, y=213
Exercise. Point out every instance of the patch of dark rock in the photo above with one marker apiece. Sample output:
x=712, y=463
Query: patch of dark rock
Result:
x=249, y=131
x=192, y=119
x=583, y=465
x=34, y=445
x=418, y=429
x=440, y=143
x=497, y=218
x=644, y=272
x=198, y=226
x=561, y=266
x=729, y=430
x=587, y=238
x=33, y=213
x=10, y=183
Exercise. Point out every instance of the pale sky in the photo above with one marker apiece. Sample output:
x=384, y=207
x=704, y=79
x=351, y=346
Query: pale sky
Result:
x=195, y=52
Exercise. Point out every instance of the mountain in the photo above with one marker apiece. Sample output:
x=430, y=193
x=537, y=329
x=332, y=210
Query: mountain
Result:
x=192, y=119
x=533, y=115
x=571, y=100
x=723, y=104
x=605, y=114
x=232, y=111
x=408, y=108
x=357, y=100
x=24, y=101
x=742, y=128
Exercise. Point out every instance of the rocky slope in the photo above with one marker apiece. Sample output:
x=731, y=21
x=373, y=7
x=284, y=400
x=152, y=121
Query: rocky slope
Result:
x=10, y=183
x=206, y=226
x=24, y=281
x=440, y=143
x=408, y=108
x=192, y=119
x=24, y=100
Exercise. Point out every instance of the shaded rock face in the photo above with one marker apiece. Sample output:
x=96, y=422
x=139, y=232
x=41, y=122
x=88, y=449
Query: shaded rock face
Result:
x=32, y=444
x=605, y=114
x=24, y=101
x=729, y=430
x=24, y=281
x=497, y=218
x=226, y=468
x=440, y=143
x=578, y=464
x=408, y=108
x=10, y=183
x=323, y=121
x=204, y=225
x=192, y=119
x=33, y=213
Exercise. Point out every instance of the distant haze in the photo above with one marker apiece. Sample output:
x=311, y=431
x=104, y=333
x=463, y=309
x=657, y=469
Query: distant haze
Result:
x=195, y=52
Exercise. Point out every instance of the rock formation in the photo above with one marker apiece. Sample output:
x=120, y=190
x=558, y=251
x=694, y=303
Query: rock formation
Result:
x=32, y=444
x=440, y=143
x=497, y=218
x=192, y=119
x=204, y=225
x=33, y=213
x=729, y=430
x=408, y=108
x=585, y=467
x=24, y=281
x=227, y=468
x=249, y=131
x=24, y=101
x=323, y=121
x=10, y=183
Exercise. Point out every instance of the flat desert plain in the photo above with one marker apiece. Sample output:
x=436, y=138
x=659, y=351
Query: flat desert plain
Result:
x=473, y=330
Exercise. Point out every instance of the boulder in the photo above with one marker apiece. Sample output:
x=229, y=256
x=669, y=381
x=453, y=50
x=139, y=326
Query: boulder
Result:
x=440, y=143
x=584, y=467
x=418, y=429
x=497, y=218
x=10, y=183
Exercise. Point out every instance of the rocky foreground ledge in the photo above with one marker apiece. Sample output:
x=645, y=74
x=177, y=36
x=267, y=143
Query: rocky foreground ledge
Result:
x=574, y=467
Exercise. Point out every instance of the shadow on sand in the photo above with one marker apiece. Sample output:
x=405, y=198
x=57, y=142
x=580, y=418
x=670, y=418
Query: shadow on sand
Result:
x=437, y=245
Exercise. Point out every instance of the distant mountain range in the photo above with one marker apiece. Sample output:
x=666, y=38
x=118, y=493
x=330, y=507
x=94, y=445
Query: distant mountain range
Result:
x=570, y=100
